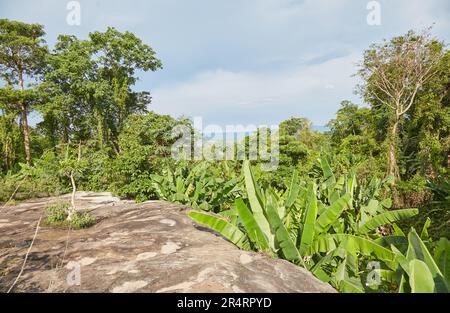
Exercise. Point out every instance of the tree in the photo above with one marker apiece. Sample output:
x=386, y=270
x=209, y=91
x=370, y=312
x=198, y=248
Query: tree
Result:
x=9, y=138
x=394, y=72
x=145, y=145
x=427, y=128
x=71, y=167
x=118, y=57
x=353, y=130
x=90, y=85
x=72, y=89
x=22, y=53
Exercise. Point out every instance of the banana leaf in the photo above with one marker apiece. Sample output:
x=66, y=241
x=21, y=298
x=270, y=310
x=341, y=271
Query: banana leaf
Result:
x=398, y=231
x=442, y=258
x=307, y=236
x=282, y=237
x=332, y=213
x=227, y=230
x=418, y=250
x=364, y=246
x=420, y=277
x=424, y=234
x=254, y=197
x=253, y=230
x=386, y=218
x=401, y=242
x=293, y=191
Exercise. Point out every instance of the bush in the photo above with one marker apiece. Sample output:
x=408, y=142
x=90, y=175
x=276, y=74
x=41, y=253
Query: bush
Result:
x=7, y=187
x=84, y=220
x=57, y=217
x=56, y=213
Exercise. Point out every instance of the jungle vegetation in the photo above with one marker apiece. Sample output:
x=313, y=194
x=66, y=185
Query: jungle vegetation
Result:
x=364, y=206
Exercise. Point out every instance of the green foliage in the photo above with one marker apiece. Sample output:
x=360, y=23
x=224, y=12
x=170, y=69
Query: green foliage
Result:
x=80, y=221
x=333, y=227
x=56, y=216
x=202, y=185
x=94, y=77
x=226, y=229
x=144, y=144
x=299, y=147
x=436, y=210
x=22, y=55
x=56, y=213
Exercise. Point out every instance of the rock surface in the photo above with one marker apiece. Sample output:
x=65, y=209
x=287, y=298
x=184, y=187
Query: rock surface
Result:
x=146, y=247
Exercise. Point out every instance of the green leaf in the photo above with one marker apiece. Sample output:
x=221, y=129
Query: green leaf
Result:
x=282, y=237
x=293, y=191
x=254, y=197
x=386, y=218
x=351, y=185
x=398, y=231
x=323, y=243
x=424, y=234
x=326, y=169
x=420, y=277
x=386, y=203
x=344, y=275
x=403, y=286
x=364, y=246
x=319, y=272
x=251, y=226
x=351, y=285
x=400, y=242
x=229, y=231
x=442, y=258
x=331, y=214
x=418, y=250
x=310, y=221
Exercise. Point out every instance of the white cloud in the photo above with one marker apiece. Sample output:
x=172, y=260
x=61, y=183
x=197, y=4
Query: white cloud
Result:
x=306, y=90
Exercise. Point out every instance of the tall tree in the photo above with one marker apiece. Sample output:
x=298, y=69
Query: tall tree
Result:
x=71, y=83
x=22, y=54
x=90, y=85
x=118, y=57
x=394, y=72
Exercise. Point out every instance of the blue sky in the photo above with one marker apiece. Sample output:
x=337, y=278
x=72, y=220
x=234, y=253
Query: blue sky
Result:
x=245, y=61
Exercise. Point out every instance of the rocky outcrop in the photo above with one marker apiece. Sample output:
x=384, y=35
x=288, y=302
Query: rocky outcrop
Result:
x=146, y=247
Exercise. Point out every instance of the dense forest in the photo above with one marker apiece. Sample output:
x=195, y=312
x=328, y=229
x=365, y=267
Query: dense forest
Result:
x=364, y=206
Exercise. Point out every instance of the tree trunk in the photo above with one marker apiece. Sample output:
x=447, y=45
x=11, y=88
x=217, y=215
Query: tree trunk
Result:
x=26, y=132
x=392, y=154
x=100, y=127
x=24, y=119
x=73, y=208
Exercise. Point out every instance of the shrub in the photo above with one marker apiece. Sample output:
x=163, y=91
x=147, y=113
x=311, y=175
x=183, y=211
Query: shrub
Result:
x=56, y=216
x=82, y=220
x=56, y=213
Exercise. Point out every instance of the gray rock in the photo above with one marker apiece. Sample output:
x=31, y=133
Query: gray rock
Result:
x=146, y=247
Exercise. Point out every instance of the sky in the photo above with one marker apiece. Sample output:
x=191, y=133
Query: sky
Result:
x=245, y=61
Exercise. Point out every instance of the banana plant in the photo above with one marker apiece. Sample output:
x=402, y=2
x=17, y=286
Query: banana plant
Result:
x=329, y=226
x=196, y=186
x=421, y=272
